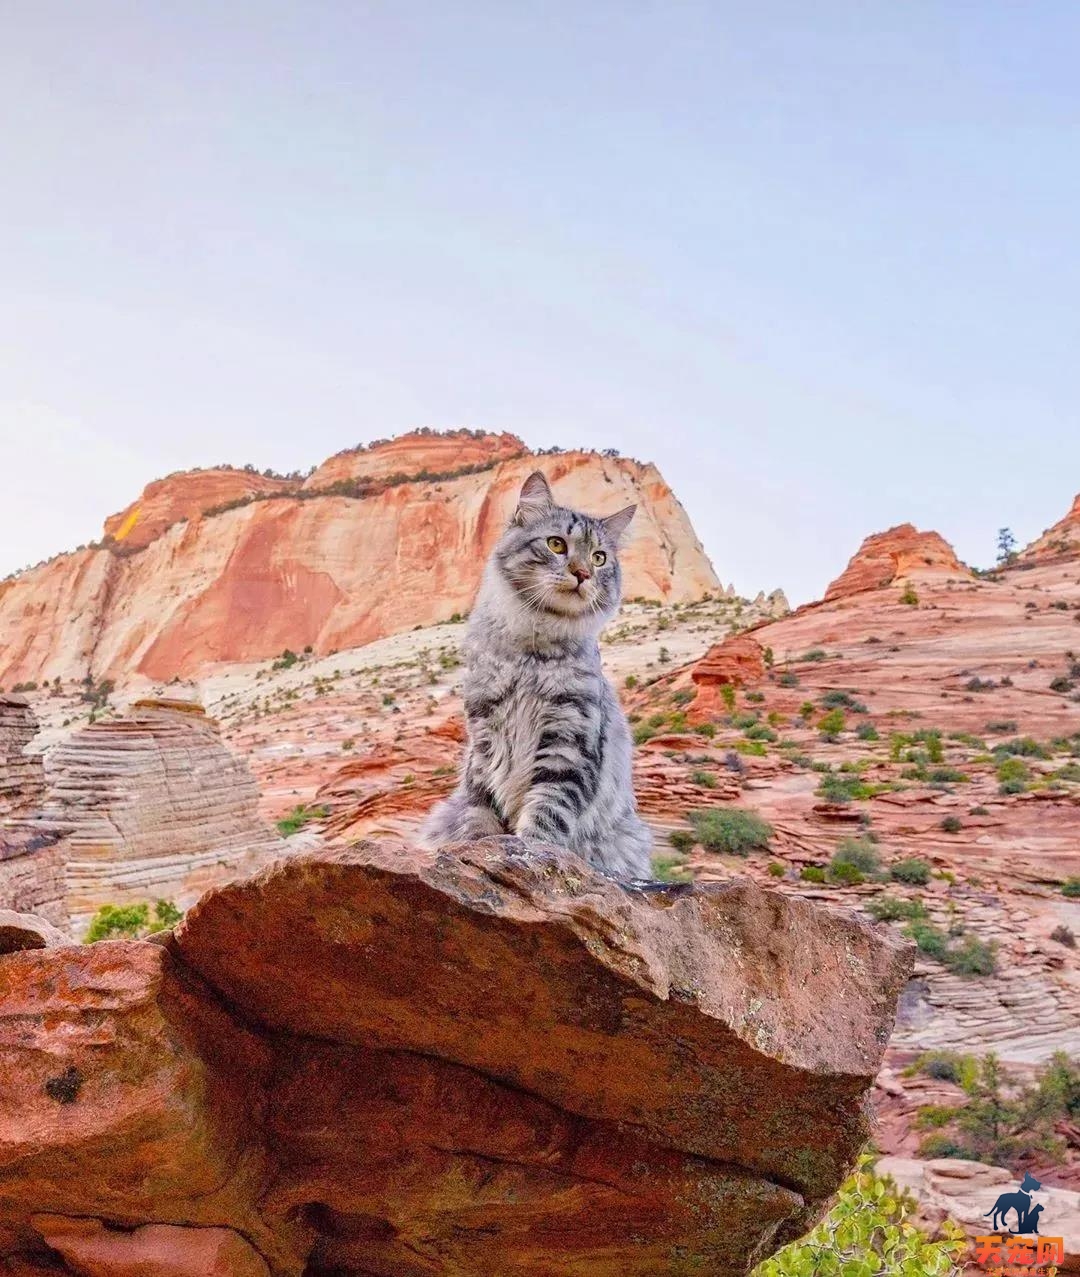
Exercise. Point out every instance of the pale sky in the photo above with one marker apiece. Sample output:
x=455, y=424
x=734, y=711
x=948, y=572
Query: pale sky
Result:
x=817, y=261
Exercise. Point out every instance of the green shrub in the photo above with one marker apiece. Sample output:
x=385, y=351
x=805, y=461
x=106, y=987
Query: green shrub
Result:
x=776, y=869
x=947, y=776
x=705, y=779
x=860, y=853
x=1071, y=887
x=846, y=787
x=1013, y=775
x=844, y=874
x=300, y=816
x=682, y=839
x=670, y=869
x=1001, y=726
x=815, y=654
x=731, y=829
x=758, y=731
x=909, y=596
x=887, y=908
x=830, y=725
x=972, y=956
x=755, y=698
x=952, y=825
x=706, y=729
x=630, y=682
x=788, y=679
x=812, y=873
x=1022, y=747
x=727, y=695
x=913, y=871
x=868, y=1233
x=843, y=700
x=131, y=922
x=867, y=731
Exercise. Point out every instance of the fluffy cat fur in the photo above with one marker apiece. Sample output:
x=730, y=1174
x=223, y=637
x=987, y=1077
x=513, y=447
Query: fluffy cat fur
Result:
x=549, y=750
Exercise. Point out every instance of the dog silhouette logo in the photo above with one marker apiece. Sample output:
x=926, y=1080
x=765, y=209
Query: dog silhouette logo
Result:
x=1027, y=1216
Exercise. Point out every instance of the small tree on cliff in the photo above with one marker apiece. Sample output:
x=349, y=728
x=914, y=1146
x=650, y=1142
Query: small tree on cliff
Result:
x=1006, y=547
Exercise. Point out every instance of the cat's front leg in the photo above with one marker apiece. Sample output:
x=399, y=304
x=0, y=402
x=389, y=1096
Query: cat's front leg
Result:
x=551, y=808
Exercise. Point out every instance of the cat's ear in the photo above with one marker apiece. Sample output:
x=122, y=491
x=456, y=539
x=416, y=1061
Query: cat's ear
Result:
x=535, y=498
x=616, y=524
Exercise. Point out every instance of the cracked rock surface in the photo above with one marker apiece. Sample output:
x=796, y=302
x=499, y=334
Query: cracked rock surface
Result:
x=389, y=1062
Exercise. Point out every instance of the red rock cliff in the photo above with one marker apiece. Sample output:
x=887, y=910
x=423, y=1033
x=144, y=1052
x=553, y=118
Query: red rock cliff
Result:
x=328, y=569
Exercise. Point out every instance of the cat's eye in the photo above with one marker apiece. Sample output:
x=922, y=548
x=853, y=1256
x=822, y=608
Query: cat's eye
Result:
x=599, y=558
x=556, y=545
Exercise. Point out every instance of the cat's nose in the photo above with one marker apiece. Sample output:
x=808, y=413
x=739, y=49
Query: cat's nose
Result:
x=582, y=574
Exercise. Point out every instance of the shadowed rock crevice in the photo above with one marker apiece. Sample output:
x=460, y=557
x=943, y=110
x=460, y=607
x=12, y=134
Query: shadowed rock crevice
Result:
x=391, y=1062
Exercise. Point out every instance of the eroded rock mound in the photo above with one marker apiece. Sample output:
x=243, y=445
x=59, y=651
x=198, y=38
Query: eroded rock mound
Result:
x=890, y=556
x=388, y=1062
x=1059, y=542
x=153, y=805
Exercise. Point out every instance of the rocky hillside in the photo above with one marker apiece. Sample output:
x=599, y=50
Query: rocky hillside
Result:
x=228, y=566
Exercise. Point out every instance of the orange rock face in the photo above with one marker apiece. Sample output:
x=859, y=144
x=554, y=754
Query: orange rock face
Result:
x=901, y=552
x=331, y=571
x=1062, y=541
x=483, y=1063
x=736, y=661
x=184, y=497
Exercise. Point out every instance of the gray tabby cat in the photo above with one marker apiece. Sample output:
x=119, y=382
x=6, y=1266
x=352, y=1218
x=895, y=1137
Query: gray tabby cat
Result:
x=548, y=754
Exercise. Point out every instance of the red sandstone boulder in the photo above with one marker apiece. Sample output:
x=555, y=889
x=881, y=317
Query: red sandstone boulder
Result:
x=389, y=1062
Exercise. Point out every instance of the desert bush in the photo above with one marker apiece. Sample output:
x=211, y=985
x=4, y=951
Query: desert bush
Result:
x=776, y=869
x=913, y=871
x=952, y=824
x=681, y=839
x=300, y=816
x=868, y=1233
x=1064, y=935
x=734, y=830
x=670, y=869
x=812, y=873
x=1013, y=775
x=131, y=922
x=830, y=725
x=843, y=700
x=815, y=654
x=1071, y=887
x=859, y=854
x=1001, y=726
x=867, y=731
x=886, y=908
x=909, y=596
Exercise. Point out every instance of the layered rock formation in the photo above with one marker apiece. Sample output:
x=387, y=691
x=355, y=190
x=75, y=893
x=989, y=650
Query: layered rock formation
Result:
x=475, y=1064
x=31, y=866
x=153, y=806
x=1062, y=541
x=333, y=566
x=900, y=553
x=22, y=774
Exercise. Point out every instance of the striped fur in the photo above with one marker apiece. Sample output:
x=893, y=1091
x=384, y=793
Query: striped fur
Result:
x=549, y=750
